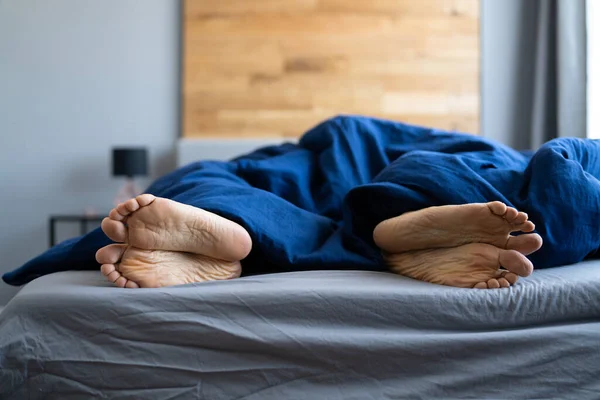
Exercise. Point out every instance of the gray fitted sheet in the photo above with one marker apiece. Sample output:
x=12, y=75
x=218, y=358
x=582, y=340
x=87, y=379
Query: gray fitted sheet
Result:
x=307, y=335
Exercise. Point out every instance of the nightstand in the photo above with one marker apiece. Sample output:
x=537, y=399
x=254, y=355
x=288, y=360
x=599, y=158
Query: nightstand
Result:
x=83, y=220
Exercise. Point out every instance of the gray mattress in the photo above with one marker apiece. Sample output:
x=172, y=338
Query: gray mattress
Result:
x=308, y=335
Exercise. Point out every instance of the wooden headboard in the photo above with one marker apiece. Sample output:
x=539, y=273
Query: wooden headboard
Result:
x=274, y=68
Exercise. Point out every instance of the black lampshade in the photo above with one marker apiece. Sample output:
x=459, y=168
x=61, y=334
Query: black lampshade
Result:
x=130, y=161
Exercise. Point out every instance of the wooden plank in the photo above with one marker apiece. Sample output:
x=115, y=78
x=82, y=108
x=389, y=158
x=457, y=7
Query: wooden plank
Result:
x=409, y=8
x=383, y=67
x=423, y=103
x=268, y=26
x=420, y=8
x=201, y=8
x=391, y=46
x=234, y=57
x=452, y=81
x=262, y=123
x=278, y=123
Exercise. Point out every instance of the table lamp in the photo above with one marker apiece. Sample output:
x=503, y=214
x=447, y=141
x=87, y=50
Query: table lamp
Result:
x=129, y=162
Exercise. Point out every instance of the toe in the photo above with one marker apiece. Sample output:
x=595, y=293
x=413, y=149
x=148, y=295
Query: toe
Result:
x=481, y=285
x=497, y=207
x=503, y=282
x=511, y=214
x=113, y=276
x=110, y=254
x=115, y=214
x=145, y=199
x=493, y=284
x=127, y=207
x=121, y=282
x=131, y=285
x=107, y=269
x=511, y=278
x=132, y=205
x=115, y=230
x=527, y=227
x=521, y=218
x=524, y=244
x=515, y=262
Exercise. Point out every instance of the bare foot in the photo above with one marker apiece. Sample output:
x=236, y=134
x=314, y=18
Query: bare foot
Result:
x=153, y=223
x=130, y=267
x=471, y=265
x=456, y=225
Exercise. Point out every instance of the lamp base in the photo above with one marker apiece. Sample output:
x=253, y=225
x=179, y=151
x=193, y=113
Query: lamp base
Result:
x=128, y=191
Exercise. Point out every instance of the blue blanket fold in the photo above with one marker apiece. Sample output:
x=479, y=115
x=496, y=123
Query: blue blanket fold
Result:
x=313, y=205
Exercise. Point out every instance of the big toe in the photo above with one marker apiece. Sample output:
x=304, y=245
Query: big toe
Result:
x=110, y=254
x=515, y=262
x=525, y=244
x=115, y=230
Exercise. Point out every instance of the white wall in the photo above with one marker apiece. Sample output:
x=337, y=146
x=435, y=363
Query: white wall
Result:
x=77, y=77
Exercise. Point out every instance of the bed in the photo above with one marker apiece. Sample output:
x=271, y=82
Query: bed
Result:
x=303, y=335
x=321, y=334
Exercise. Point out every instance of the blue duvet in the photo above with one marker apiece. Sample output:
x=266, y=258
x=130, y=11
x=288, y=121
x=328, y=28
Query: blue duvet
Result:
x=313, y=205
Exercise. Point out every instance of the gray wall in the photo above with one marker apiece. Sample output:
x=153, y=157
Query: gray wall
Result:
x=77, y=77
x=506, y=36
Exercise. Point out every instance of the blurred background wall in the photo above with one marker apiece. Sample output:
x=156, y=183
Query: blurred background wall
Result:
x=76, y=78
